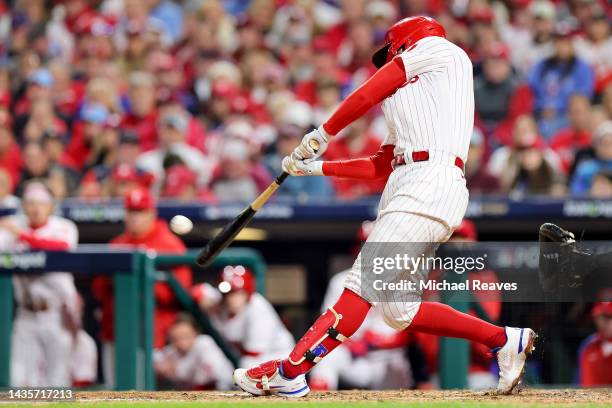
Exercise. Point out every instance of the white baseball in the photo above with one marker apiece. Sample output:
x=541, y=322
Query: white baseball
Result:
x=181, y=225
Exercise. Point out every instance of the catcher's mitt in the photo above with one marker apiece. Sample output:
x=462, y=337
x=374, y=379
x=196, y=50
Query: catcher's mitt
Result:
x=562, y=263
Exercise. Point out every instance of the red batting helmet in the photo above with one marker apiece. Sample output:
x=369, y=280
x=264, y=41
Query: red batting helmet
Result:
x=404, y=34
x=235, y=278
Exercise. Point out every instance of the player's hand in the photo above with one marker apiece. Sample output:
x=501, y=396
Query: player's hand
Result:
x=301, y=167
x=312, y=146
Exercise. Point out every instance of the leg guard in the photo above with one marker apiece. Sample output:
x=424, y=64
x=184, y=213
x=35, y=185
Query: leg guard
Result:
x=310, y=346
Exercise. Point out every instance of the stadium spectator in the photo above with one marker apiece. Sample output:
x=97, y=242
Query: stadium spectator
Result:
x=7, y=199
x=192, y=361
x=507, y=162
x=478, y=178
x=585, y=173
x=555, y=79
x=355, y=141
x=234, y=311
x=601, y=187
x=46, y=303
x=495, y=86
x=10, y=153
x=172, y=129
x=595, y=353
x=181, y=184
x=37, y=165
x=569, y=141
x=233, y=180
x=596, y=47
x=142, y=229
x=141, y=117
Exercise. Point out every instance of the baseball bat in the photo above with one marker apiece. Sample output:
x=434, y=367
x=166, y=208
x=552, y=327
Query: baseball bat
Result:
x=226, y=236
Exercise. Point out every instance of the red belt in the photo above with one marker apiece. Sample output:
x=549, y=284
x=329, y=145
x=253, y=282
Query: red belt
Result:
x=423, y=155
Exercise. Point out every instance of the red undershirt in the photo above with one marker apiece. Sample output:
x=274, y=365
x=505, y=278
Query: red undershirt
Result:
x=379, y=86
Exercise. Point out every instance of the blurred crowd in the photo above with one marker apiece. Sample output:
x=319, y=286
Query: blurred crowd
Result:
x=200, y=99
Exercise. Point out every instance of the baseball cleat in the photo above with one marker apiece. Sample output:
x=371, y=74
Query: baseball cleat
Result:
x=267, y=379
x=512, y=356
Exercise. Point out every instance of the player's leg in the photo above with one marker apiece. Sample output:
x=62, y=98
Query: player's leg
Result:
x=26, y=353
x=401, y=311
x=57, y=345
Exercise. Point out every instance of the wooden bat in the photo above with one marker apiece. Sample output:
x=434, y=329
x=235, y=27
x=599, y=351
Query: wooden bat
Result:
x=226, y=236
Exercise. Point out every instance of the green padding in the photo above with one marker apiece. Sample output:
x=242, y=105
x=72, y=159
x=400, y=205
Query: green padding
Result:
x=6, y=324
x=248, y=257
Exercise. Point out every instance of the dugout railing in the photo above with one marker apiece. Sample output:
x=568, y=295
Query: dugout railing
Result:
x=134, y=273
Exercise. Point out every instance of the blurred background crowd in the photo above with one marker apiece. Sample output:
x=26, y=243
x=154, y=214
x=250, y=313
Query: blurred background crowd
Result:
x=200, y=99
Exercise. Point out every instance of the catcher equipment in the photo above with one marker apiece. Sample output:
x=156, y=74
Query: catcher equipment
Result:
x=405, y=33
x=512, y=356
x=235, y=278
x=267, y=379
x=562, y=264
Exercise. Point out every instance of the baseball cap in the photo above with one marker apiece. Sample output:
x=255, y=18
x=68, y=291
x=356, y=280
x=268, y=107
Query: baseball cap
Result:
x=41, y=77
x=602, y=308
x=466, y=229
x=178, y=178
x=95, y=113
x=139, y=199
x=380, y=8
x=125, y=173
x=298, y=113
x=477, y=138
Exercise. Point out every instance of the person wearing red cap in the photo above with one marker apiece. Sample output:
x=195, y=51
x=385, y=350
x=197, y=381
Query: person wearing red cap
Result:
x=236, y=309
x=595, y=353
x=142, y=230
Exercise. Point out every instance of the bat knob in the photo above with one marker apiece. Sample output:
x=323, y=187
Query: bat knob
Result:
x=314, y=145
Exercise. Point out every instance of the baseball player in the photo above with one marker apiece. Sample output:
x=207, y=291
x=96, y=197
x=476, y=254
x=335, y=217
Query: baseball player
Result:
x=192, y=361
x=425, y=85
x=245, y=318
x=42, y=341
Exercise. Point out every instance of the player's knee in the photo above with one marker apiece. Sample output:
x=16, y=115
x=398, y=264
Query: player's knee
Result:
x=399, y=315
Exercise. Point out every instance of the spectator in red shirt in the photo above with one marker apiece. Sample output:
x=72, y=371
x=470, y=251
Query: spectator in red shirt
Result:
x=10, y=153
x=356, y=141
x=142, y=230
x=477, y=176
x=595, y=354
x=142, y=116
x=567, y=142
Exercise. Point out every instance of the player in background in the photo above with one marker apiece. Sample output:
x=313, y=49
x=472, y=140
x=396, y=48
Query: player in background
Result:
x=143, y=229
x=42, y=338
x=192, y=361
x=595, y=354
x=425, y=84
x=244, y=317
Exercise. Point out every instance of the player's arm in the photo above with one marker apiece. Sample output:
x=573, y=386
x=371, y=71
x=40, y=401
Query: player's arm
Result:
x=375, y=167
x=382, y=84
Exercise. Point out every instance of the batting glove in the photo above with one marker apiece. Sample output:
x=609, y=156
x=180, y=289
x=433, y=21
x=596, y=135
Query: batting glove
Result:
x=312, y=146
x=301, y=168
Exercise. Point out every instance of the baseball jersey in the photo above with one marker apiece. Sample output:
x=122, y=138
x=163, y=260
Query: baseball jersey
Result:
x=54, y=289
x=434, y=110
x=204, y=364
x=257, y=329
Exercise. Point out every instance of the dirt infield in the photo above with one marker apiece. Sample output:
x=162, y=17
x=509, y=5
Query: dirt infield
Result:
x=525, y=396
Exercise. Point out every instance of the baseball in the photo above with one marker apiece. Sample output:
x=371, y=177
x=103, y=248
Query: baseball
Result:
x=181, y=225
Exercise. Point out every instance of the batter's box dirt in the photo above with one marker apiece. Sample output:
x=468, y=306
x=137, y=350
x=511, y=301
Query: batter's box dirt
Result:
x=526, y=397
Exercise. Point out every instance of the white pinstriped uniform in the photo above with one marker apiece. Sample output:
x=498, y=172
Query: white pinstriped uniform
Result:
x=423, y=202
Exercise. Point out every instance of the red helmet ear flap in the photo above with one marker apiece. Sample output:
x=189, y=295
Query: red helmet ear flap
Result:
x=380, y=57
